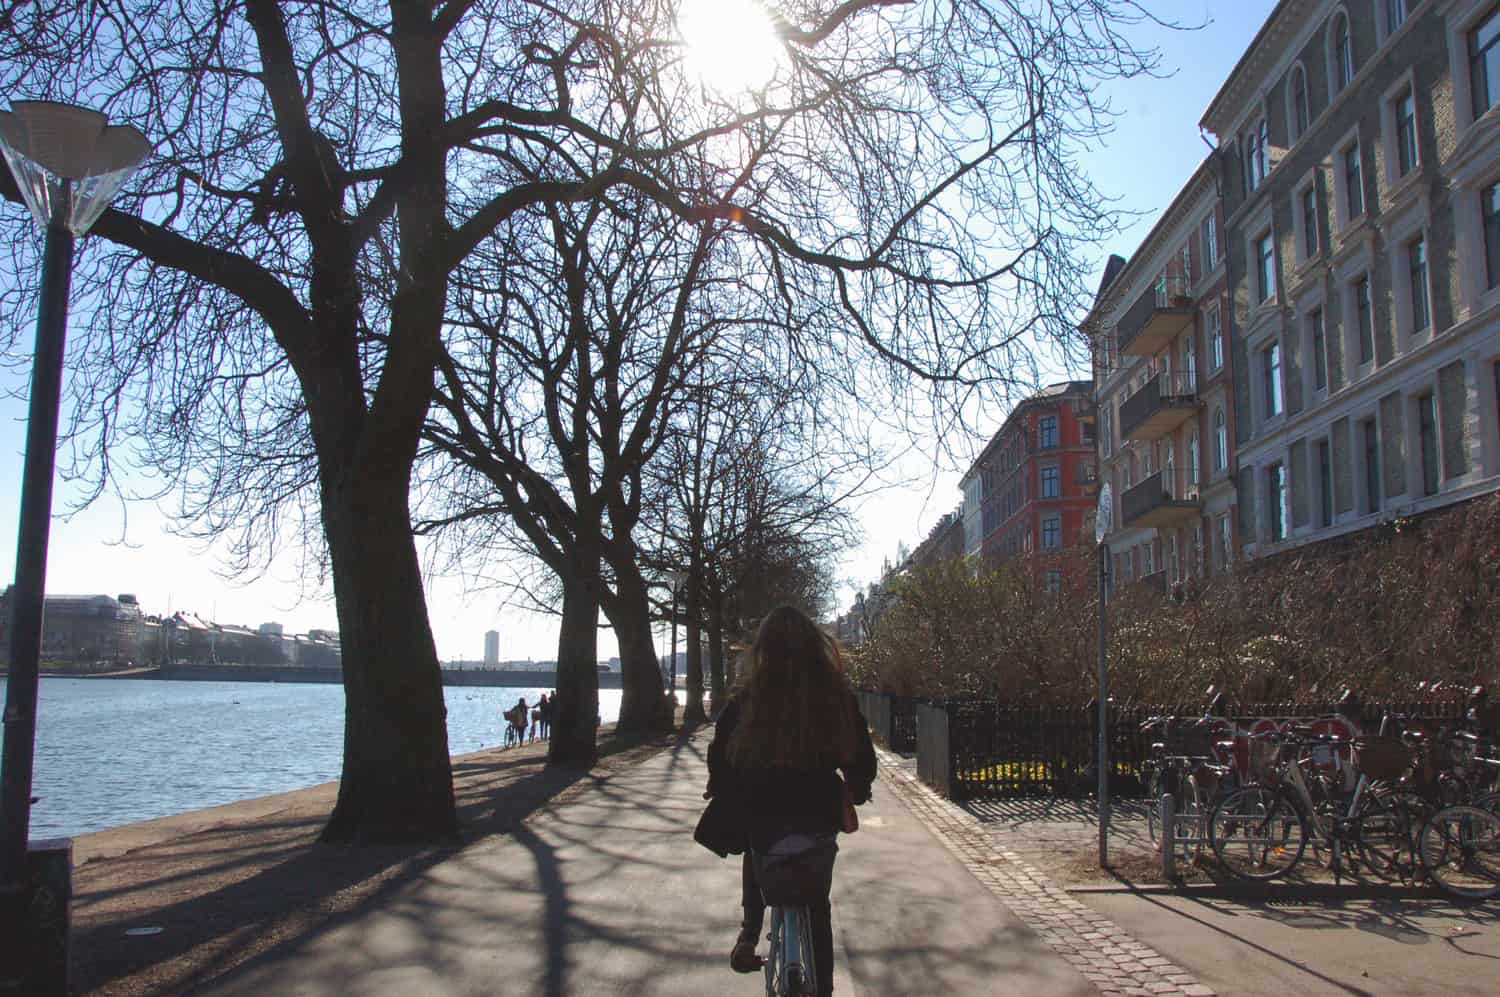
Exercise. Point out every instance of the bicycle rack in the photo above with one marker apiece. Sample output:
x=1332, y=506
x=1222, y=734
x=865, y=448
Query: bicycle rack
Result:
x=1170, y=841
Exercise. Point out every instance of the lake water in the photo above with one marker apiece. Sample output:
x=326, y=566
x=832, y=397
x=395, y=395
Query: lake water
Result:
x=118, y=751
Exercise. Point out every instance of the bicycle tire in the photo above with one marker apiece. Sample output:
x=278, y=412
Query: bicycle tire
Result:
x=1460, y=851
x=1257, y=833
x=1189, y=825
x=1384, y=834
x=1153, y=807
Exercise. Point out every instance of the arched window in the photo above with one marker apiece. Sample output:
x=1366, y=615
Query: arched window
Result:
x=1298, y=94
x=1341, y=52
x=1221, y=440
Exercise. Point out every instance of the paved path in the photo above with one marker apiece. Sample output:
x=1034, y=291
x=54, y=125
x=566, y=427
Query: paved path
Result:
x=608, y=894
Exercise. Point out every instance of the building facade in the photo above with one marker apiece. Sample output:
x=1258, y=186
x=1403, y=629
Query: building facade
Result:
x=1031, y=491
x=85, y=629
x=1163, y=376
x=1360, y=171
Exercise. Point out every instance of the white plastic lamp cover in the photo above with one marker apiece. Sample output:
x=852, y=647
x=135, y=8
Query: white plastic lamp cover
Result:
x=68, y=159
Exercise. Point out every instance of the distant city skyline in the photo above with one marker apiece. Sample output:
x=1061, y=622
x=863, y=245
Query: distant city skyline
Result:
x=1155, y=148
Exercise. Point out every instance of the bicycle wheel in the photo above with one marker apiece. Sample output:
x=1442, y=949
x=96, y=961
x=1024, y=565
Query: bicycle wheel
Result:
x=775, y=968
x=809, y=963
x=1153, y=806
x=1188, y=826
x=1257, y=833
x=1460, y=850
x=1385, y=834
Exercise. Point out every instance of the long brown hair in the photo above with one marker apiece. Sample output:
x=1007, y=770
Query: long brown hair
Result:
x=795, y=702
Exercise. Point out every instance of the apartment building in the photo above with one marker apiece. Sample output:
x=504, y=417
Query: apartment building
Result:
x=1032, y=488
x=1164, y=391
x=1360, y=173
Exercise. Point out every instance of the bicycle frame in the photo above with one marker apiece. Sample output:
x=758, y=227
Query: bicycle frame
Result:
x=791, y=953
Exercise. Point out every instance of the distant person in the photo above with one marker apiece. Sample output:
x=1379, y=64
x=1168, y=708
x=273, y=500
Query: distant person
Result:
x=517, y=717
x=536, y=720
x=545, y=707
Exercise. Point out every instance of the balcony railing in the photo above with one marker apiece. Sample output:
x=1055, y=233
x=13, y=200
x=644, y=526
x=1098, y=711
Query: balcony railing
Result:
x=1165, y=402
x=1156, y=317
x=1153, y=503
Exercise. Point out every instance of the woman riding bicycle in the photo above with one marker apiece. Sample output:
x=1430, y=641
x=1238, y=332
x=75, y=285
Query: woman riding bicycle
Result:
x=781, y=742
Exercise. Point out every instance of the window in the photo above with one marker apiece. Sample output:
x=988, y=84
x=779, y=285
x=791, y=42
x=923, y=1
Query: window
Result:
x=1364, y=319
x=1276, y=500
x=1416, y=266
x=1309, y=204
x=1489, y=204
x=1325, y=485
x=1215, y=339
x=1484, y=62
x=1190, y=363
x=1226, y=541
x=1427, y=433
x=1147, y=559
x=1354, y=193
x=1343, y=54
x=1047, y=432
x=1106, y=429
x=1192, y=461
x=1050, y=482
x=1172, y=565
x=1265, y=267
x=1371, y=441
x=1406, y=133
x=1395, y=15
x=1221, y=441
x=1299, y=103
x=1318, y=342
x=1198, y=548
x=1210, y=238
x=1271, y=369
x=1052, y=533
x=1054, y=581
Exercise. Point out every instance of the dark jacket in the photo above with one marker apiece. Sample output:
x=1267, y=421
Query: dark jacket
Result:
x=756, y=805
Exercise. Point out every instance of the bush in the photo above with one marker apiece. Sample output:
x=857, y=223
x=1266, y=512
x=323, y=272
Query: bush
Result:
x=1376, y=612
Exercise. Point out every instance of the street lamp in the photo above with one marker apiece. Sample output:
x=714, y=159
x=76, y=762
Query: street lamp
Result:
x=68, y=163
x=674, y=578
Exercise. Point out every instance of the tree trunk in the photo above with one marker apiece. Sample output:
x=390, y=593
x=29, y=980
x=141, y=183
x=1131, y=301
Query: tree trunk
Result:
x=715, y=645
x=397, y=784
x=643, y=708
x=693, y=710
x=574, y=740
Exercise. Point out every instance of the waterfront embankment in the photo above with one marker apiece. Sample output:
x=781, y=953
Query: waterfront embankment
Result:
x=180, y=672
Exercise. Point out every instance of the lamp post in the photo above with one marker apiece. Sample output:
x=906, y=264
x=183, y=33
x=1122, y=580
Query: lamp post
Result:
x=674, y=578
x=68, y=163
x=1104, y=523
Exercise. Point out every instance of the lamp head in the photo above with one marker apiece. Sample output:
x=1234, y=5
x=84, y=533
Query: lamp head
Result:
x=68, y=161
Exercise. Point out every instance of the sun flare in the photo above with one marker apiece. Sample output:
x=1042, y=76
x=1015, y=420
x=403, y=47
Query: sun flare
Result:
x=730, y=45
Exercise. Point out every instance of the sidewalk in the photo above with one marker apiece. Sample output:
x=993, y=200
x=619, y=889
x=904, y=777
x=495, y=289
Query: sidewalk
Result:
x=608, y=894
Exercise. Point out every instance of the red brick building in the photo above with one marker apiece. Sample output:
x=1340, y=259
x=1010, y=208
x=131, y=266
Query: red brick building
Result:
x=1033, y=486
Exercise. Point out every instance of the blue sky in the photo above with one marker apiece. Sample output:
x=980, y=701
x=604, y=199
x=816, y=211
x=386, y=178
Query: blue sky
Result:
x=1154, y=149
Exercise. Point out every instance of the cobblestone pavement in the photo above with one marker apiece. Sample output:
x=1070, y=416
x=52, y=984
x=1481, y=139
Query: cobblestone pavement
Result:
x=1107, y=956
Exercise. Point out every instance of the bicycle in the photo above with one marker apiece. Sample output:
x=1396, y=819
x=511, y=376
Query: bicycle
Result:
x=1192, y=773
x=793, y=873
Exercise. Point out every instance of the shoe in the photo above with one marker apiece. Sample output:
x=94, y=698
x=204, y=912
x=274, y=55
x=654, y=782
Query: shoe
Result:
x=742, y=958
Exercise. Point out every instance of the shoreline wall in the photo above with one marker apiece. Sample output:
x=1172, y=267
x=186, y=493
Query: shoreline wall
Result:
x=331, y=676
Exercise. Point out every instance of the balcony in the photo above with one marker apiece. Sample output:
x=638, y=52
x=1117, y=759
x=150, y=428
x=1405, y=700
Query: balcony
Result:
x=1156, y=318
x=1151, y=503
x=1084, y=410
x=1165, y=402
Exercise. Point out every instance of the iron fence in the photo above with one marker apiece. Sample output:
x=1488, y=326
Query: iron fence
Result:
x=983, y=750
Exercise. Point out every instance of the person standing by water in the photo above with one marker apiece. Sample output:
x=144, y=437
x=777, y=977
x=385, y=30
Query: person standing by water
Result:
x=545, y=706
x=779, y=747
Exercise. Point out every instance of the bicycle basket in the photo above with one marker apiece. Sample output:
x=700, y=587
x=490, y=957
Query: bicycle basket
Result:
x=1383, y=758
x=796, y=871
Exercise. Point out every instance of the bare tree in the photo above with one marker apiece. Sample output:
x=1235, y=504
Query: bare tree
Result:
x=268, y=308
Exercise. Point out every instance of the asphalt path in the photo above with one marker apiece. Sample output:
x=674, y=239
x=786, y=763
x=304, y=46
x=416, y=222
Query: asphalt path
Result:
x=606, y=893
